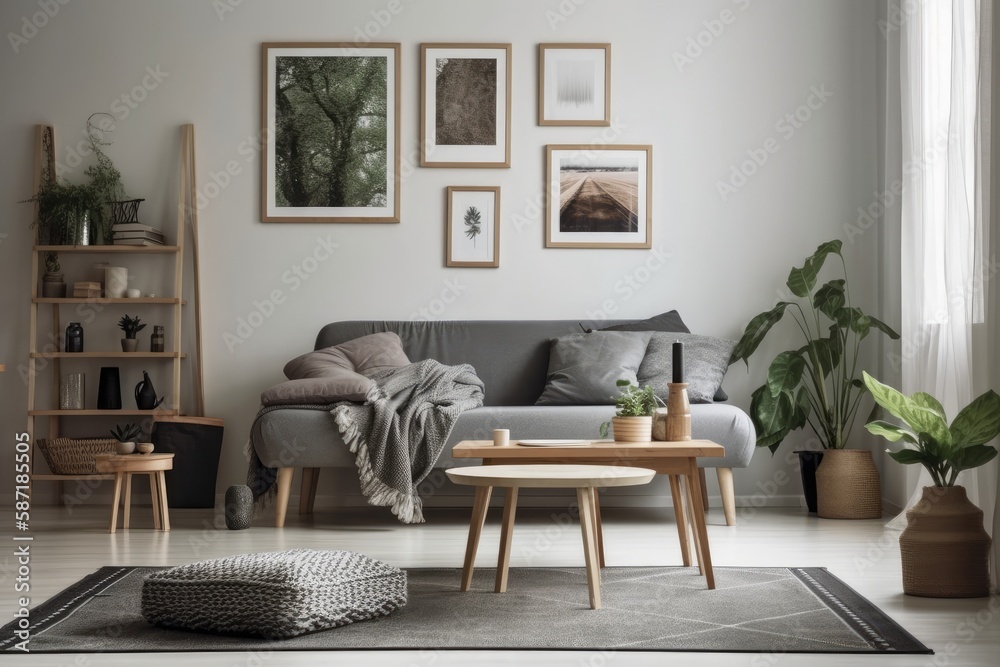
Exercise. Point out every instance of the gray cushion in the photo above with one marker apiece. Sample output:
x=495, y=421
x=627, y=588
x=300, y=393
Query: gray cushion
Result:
x=273, y=595
x=344, y=386
x=366, y=356
x=706, y=360
x=668, y=321
x=583, y=368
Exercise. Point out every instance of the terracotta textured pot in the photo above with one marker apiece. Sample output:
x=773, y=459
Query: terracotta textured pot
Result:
x=848, y=485
x=632, y=429
x=945, y=549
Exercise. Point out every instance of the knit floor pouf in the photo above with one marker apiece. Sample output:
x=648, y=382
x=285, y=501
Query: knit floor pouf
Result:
x=273, y=595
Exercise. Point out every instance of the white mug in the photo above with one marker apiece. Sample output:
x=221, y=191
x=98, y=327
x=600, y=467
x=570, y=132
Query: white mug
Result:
x=133, y=293
x=501, y=437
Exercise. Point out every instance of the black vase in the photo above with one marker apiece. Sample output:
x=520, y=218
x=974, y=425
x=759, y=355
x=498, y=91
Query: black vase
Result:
x=809, y=461
x=74, y=337
x=239, y=507
x=109, y=392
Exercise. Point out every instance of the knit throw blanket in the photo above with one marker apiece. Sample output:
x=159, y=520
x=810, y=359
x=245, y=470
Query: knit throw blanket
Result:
x=398, y=434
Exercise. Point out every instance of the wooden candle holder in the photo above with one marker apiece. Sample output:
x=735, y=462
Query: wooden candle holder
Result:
x=678, y=413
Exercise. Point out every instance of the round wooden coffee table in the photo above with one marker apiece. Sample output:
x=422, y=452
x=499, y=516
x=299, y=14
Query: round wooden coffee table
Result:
x=124, y=466
x=583, y=478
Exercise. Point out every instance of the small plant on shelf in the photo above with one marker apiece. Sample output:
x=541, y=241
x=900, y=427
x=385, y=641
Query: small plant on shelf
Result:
x=126, y=436
x=130, y=325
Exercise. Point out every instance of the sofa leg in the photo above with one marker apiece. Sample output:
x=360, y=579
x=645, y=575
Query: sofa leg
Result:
x=307, y=495
x=704, y=488
x=728, y=494
x=284, y=488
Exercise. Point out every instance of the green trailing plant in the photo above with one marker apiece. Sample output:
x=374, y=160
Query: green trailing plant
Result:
x=62, y=209
x=944, y=450
x=815, y=385
x=130, y=325
x=473, y=224
x=106, y=181
x=127, y=433
x=632, y=401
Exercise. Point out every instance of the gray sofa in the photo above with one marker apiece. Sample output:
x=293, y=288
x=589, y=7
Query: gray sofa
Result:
x=511, y=357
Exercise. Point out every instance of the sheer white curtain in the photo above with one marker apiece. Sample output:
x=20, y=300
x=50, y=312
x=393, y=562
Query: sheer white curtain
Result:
x=946, y=259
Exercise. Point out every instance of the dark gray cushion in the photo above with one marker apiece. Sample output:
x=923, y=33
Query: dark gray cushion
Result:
x=668, y=321
x=584, y=367
x=343, y=386
x=705, y=362
x=273, y=595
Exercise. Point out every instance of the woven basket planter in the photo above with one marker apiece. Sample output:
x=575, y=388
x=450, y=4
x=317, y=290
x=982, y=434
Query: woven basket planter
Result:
x=75, y=456
x=632, y=429
x=848, y=485
x=944, y=549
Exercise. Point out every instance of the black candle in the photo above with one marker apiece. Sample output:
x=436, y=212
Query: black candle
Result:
x=678, y=362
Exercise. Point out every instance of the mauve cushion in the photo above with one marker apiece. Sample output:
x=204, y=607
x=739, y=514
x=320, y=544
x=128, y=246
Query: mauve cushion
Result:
x=344, y=386
x=706, y=360
x=584, y=367
x=366, y=355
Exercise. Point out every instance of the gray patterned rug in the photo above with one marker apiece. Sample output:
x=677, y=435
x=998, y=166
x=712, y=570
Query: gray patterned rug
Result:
x=790, y=610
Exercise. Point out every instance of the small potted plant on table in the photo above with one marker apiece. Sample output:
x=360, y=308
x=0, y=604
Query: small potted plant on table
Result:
x=944, y=549
x=633, y=421
x=131, y=326
x=126, y=435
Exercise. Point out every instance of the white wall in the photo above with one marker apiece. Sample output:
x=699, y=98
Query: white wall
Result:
x=728, y=259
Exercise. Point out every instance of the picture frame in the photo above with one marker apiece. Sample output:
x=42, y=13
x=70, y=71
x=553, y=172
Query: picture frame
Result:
x=457, y=129
x=598, y=197
x=297, y=120
x=574, y=84
x=473, y=226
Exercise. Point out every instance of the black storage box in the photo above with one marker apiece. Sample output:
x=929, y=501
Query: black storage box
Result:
x=196, y=443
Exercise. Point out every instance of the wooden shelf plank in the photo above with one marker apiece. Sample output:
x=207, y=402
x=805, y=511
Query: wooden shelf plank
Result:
x=107, y=355
x=103, y=301
x=111, y=249
x=36, y=477
x=101, y=413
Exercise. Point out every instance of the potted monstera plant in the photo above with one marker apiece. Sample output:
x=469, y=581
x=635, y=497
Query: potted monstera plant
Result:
x=944, y=549
x=816, y=385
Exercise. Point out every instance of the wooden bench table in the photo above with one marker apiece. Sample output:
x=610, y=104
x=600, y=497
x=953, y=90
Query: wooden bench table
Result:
x=124, y=466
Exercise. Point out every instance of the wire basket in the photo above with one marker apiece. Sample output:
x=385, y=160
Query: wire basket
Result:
x=75, y=456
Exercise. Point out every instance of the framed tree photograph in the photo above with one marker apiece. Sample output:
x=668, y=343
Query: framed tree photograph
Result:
x=473, y=226
x=330, y=115
x=574, y=84
x=465, y=105
x=598, y=197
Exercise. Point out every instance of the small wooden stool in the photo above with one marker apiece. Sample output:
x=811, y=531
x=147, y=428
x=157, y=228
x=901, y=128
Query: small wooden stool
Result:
x=584, y=478
x=138, y=464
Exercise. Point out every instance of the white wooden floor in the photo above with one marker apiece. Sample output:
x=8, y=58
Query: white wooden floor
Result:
x=69, y=545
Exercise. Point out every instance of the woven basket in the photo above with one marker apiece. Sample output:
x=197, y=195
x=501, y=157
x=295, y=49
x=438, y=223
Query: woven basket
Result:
x=75, y=456
x=848, y=485
x=945, y=550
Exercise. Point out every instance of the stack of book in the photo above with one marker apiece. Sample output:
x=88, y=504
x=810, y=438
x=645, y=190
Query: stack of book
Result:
x=87, y=290
x=135, y=233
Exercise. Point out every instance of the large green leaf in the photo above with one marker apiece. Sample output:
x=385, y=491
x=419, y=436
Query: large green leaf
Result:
x=771, y=416
x=890, y=432
x=801, y=281
x=978, y=422
x=925, y=400
x=921, y=420
x=755, y=331
x=908, y=456
x=830, y=298
x=854, y=318
x=883, y=327
x=824, y=355
x=972, y=456
x=785, y=372
x=800, y=416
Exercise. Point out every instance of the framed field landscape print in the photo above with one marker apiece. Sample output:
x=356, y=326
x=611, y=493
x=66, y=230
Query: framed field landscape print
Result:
x=330, y=115
x=574, y=84
x=465, y=105
x=598, y=197
x=473, y=220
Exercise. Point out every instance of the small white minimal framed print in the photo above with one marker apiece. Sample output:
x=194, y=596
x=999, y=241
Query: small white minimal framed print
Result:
x=598, y=197
x=465, y=105
x=574, y=84
x=473, y=223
